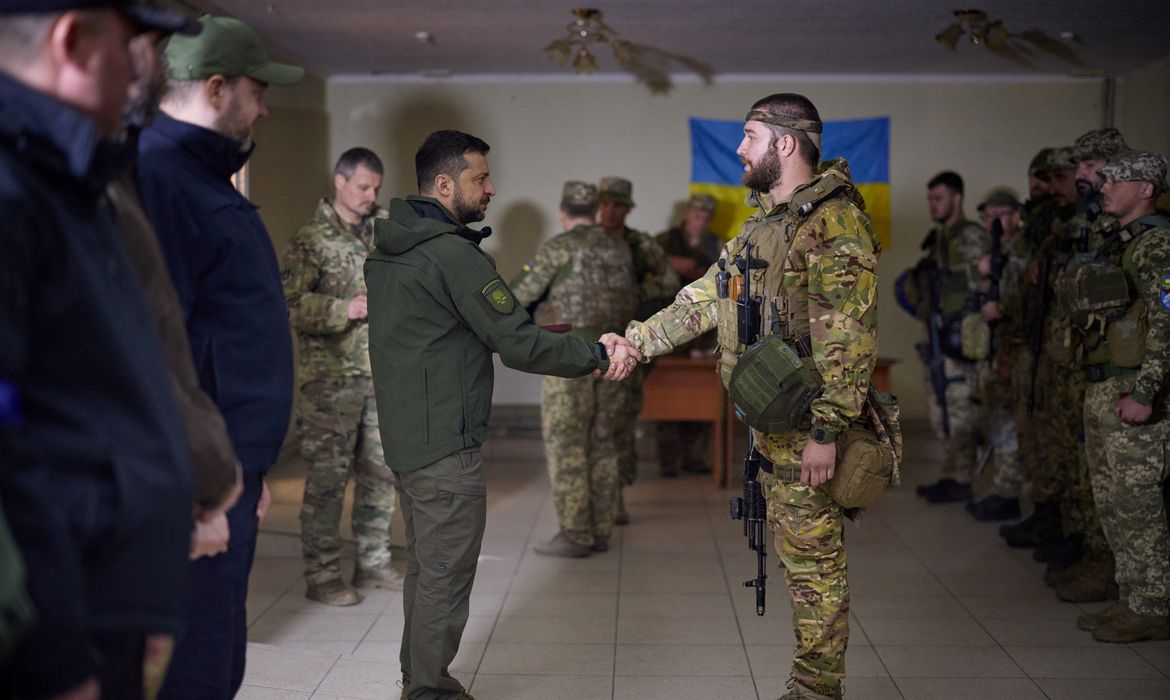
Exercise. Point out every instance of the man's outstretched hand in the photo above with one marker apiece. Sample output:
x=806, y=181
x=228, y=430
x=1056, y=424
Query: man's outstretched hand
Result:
x=623, y=358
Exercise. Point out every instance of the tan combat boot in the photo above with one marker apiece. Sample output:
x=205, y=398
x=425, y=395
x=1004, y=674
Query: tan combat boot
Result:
x=1094, y=584
x=1091, y=621
x=333, y=592
x=799, y=691
x=561, y=546
x=1129, y=627
x=383, y=577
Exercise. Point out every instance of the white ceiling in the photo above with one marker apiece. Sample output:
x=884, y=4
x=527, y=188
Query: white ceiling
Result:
x=853, y=37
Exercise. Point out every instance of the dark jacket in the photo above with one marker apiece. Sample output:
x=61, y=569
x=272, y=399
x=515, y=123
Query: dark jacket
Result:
x=224, y=269
x=437, y=311
x=95, y=479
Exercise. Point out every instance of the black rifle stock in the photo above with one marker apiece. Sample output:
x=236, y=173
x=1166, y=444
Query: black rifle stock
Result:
x=751, y=507
x=935, y=359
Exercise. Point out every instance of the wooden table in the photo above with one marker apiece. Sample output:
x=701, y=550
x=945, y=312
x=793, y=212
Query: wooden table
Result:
x=683, y=388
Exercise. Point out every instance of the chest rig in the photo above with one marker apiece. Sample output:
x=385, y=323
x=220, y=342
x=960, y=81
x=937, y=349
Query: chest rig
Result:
x=765, y=347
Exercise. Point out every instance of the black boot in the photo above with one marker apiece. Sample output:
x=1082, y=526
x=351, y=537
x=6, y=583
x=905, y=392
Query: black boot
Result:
x=1062, y=553
x=993, y=508
x=948, y=491
x=1043, y=528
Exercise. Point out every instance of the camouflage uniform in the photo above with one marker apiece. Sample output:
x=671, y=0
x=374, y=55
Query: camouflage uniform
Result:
x=336, y=416
x=589, y=278
x=958, y=249
x=1128, y=462
x=822, y=276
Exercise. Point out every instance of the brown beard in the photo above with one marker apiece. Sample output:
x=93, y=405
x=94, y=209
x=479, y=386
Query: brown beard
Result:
x=763, y=174
x=466, y=212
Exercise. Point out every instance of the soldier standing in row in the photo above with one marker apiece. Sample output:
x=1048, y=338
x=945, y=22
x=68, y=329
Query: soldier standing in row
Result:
x=336, y=414
x=589, y=279
x=1127, y=422
x=656, y=283
x=821, y=278
x=956, y=244
x=691, y=248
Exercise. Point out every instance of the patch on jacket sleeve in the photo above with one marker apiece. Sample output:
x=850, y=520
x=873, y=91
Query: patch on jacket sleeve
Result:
x=1164, y=293
x=499, y=297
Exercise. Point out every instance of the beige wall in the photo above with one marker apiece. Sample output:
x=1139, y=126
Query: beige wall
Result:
x=544, y=133
x=1143, y=108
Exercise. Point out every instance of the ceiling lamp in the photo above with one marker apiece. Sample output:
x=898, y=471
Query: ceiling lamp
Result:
x=981, y=30
x=587, y=30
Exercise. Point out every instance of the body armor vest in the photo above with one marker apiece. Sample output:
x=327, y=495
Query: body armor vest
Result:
x=595, y=290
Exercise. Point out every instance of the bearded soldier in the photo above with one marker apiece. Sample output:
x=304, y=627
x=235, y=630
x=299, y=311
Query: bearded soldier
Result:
x=815, y=261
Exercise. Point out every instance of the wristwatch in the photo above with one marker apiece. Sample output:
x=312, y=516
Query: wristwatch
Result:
x=822, y=435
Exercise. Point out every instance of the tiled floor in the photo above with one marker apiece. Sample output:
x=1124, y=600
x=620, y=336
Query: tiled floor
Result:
x=941, y=608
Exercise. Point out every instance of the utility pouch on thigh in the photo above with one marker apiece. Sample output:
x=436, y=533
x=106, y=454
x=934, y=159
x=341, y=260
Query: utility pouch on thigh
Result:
x=868, y=453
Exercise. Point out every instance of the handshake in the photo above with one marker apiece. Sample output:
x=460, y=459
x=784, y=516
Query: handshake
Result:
x=622, y=357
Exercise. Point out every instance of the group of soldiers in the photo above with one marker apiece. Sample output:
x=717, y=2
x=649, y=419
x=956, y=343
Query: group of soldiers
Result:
x=1049, y=359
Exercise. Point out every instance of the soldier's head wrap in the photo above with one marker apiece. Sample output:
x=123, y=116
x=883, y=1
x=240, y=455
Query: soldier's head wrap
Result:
x=1137, y=166
x=808, y=126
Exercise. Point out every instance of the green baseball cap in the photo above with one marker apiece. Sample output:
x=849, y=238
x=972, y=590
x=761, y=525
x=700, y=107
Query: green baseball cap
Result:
x=226, y=47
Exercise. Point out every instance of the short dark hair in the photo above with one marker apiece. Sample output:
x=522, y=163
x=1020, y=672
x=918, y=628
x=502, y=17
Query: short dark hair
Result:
x=442, y=153
x=796, y=106
x=349, y=161
x=579, y=211
x=947, y=178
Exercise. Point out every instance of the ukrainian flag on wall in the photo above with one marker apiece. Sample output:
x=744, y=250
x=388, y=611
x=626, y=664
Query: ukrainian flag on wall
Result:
x=716, y=170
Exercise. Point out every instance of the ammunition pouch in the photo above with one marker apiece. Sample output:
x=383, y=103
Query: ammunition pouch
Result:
x=975, y=336
x=1093, y=294
x=868, y=453
x=772, y=388
x=1126, y=337
x=950, y=337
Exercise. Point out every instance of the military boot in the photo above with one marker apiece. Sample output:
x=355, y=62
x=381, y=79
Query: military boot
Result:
x=383, y=577
x=333, y=592
x=600, y=543
x=1094, y=584
x=1054, y=577
x=994, y=508
x=1091, y=621
x=1062, y=552
x=1129, y=627
x=1040, y=511
x=1043, y=529
x=561, y=546
x=799, y=691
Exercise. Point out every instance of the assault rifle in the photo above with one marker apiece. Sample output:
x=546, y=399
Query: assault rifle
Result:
x=932, y=351
x=751, y=507
x=1036, y=327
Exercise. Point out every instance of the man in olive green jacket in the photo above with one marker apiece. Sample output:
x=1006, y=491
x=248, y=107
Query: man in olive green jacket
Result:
x=438, y=310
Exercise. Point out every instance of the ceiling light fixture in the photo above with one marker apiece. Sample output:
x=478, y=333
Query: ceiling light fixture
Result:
x=587, y=30
x=980, y=29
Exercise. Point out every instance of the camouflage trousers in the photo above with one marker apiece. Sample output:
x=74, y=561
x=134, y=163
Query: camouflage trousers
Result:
x=682, y=444
x=1032, y=454
x=627, y=425
x=1128, y=466
x=578, y=418
x=997, y=426
x=1062, y=427
x=809, y=530
x=338, y=426
x=962, y=418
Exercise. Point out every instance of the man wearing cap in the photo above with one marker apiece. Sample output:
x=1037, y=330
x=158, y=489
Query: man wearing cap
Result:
x=956, y=244
x=94, y=472
x=588, y=278
x=225, y=272
x=336, y=415
x=1127, y=405
x=692, y=248
x=656, y=282
x=1079, y=539
x=1002, y=288
x=820, y=284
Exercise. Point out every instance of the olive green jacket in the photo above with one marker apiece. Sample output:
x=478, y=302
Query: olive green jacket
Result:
x=437, y=311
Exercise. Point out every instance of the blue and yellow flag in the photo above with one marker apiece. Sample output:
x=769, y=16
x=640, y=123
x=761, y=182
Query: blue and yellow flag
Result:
x=716, y=170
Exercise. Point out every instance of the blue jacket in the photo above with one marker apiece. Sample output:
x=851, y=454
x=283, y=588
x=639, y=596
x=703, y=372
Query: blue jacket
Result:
x=225, y=271
x=94, y=476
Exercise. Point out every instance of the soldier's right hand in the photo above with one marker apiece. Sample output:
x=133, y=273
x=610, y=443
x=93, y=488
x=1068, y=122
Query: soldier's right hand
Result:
x=357, y=308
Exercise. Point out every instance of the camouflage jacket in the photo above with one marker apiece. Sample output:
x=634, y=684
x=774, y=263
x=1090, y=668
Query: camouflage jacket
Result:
x=1014, y=291
x=825, y=286
x=959, y=248
x=322, y=271
x=589, y=278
